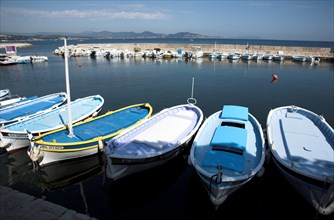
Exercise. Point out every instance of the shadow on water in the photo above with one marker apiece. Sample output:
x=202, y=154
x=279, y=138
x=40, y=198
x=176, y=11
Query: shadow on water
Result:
x=143, y=193
x=266, y=197
x=172, y=190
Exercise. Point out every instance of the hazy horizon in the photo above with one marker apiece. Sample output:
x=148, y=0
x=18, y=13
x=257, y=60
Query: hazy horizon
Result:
x=304, y=20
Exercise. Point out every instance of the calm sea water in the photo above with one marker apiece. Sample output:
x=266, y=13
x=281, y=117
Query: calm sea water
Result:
x=172, y=190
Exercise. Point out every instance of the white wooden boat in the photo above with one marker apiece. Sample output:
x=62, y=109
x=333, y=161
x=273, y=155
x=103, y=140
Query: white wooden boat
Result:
x=9, y=60
x=4, y=93
x=257, y=56
x=222, y=56
x=228, y=151
x=38, y=59
x=234, y=56
x=23, y=59
x=267, y=56
x=246, y=56
x=298, y=58
x=278, y=57
x=14, y=136
x=153, y=142
x=31, y=108
x=302, y=147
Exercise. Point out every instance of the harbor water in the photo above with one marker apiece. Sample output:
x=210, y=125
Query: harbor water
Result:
x=172, y=190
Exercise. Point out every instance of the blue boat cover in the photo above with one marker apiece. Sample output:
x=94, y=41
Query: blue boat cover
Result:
x=229, y=138
x=234, y=112
x=227, y=160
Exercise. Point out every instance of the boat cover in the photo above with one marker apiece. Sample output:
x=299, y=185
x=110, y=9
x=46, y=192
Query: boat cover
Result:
x=234, y=112
x=229, y=138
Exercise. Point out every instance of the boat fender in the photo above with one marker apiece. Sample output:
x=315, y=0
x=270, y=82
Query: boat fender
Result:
x=101, y=144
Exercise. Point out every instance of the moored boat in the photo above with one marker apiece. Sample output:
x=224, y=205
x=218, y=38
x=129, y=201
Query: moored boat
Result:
x=38, y=59
x=298, y=58
x=31, y=108
x=153, y=142
x=88, y=136
x=4, y=93
x=228, y=151
x=302, y=147
x=14, y=136
x=14, y=100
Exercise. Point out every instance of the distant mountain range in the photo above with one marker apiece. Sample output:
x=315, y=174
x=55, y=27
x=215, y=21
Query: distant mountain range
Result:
x=96, y=35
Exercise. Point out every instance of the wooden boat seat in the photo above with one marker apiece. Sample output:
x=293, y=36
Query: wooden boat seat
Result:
x=229, y=139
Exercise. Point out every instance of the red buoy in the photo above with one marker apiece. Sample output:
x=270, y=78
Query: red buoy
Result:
x=275, y=77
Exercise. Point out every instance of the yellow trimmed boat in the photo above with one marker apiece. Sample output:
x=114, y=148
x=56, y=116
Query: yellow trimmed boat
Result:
x=88, y=136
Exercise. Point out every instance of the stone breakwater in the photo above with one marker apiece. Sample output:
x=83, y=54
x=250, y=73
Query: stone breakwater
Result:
x=18, y=45
x=288, y=51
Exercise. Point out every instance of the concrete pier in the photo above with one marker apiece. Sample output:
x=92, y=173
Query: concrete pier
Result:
x=16, y=205
x=288, y=51
x=18, y=45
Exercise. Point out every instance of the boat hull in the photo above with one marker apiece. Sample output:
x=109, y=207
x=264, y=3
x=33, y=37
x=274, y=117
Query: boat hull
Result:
x=153, y=142
x=50, y=157
x=225, y=170
x=302, y=147
x=89, y=136
x=119, y=168
x=310, y=192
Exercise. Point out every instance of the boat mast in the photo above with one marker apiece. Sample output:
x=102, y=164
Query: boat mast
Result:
x=70, y=128
x=192, y=100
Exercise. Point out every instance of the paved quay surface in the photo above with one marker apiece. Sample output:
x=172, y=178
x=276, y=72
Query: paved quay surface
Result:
x=17, y=205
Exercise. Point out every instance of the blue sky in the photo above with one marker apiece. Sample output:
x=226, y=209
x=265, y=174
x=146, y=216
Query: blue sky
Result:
x=280, y=20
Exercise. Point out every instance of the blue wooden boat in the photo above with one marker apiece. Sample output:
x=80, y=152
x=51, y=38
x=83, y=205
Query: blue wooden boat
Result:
x=302, y=148
x=14, y=100
x=88, y=136
x=14, y=136
x=228, y=151
x=153, y=142
x=31, y=108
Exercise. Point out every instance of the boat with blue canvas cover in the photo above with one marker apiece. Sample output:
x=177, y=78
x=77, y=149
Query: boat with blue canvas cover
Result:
x=228, y=151
x=88, y=136
x=31, y=108
x=14, y=135
x=153, y=142
x=302, y=148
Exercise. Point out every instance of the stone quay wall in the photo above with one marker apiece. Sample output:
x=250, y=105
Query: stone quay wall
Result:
x=288, y=51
